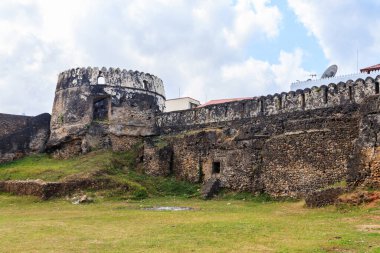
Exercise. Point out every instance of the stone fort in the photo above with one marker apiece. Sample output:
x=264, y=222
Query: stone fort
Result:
x=287, y=144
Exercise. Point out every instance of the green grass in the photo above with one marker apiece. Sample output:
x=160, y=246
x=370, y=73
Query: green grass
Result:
x=44, y=167
x=116, y=222
x=30, y=225
x=119, y=166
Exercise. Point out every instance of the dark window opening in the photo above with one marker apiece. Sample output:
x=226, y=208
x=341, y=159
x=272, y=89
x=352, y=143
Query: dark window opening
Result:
x=145, y=84
x=325, y=94
x=100, y=109
x=171, y=164
x=303, y=100
x=350, y=92
x=200, y=172
x=261, y=105
x=242, y=112
x=280, y=103
x=377, y=88
x=215, y=167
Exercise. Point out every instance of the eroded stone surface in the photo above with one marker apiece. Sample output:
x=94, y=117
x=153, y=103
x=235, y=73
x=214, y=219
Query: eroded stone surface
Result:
x=96, y=108
x=22, y=135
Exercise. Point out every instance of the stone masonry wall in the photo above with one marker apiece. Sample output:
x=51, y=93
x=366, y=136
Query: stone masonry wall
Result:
x=364, y=165
x=23, y=135
x=289, y=154
x=301, y=100
x=10, y=123
x=288, y=144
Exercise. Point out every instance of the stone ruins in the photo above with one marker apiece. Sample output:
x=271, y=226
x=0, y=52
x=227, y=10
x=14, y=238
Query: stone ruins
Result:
x=287, y=144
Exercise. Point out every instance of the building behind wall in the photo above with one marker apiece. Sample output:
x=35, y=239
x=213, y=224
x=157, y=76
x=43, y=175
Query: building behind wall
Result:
x=178, y=104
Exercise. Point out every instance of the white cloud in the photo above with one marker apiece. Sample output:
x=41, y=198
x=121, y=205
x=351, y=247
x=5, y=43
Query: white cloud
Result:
x=196, y=46
x=262, y=76
x=252, y=18
x=341, y=28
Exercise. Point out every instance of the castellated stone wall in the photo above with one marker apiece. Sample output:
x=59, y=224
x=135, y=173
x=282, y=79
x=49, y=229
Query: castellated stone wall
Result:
x=102, y=108
x=22, y=135
x=288, y=144
x=300, y=100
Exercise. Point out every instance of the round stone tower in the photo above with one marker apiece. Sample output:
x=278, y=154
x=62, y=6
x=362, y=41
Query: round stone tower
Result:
x=102, y=108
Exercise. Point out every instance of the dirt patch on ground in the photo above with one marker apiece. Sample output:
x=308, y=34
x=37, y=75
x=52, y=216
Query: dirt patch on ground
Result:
x=369, y=228
x=336, y=249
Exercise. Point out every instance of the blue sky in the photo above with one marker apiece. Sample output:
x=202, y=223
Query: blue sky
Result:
x=206, y=49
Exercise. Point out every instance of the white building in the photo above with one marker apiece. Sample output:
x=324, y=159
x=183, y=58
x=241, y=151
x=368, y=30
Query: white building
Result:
x=177, y=104
x=372, y=71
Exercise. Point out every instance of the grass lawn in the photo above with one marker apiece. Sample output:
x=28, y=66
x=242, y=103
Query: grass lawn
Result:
x=225, y=225
x=117, y=222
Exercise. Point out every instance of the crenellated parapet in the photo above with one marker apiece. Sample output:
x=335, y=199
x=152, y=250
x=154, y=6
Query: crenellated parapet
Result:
x=110, y=77
x=312, y=98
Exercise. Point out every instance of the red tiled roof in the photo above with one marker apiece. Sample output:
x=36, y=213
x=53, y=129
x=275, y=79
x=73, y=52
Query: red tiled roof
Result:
x=221, y=101
x=371, y=68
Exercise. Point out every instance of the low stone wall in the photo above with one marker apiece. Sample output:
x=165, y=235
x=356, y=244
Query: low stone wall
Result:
x=323, y=197
x=47, y=190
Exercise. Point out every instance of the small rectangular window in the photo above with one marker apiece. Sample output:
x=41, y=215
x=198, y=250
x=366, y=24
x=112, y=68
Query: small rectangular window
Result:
x=350, y=92
x=303, y=103
x=215, y=167
x=261, y=105
x=325, y=95
x=377, y=88
x=100, y=109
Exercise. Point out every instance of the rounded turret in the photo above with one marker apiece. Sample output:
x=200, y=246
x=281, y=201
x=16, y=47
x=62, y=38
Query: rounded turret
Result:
x=96, y=107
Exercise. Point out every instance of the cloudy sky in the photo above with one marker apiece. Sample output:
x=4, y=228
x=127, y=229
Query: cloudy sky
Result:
x=205, y=49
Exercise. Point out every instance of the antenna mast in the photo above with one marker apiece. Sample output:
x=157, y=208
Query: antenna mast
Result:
x=357, y=60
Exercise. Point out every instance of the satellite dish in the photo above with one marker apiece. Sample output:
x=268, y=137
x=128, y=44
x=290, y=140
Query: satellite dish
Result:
x=330, y=71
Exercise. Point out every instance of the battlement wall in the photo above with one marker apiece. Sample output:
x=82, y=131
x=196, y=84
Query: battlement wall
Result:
x=110, y=77
x=328, y=96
